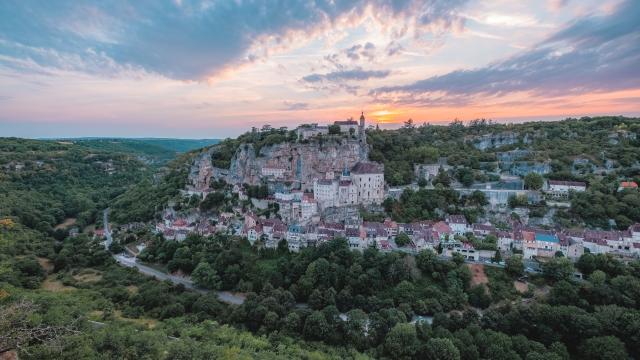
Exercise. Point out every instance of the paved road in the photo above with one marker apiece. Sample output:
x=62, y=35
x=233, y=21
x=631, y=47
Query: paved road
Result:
x=132, y=262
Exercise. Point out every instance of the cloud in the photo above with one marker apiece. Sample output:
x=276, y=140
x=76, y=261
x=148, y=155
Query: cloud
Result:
x=196, y=39
x=366, y=51
x=557, y=4
x=346, y=75
x=394, y=48
x=592, y=54
x=342, y=79
x=293, y=106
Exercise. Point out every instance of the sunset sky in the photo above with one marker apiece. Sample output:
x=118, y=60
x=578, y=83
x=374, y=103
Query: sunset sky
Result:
x=212, y=69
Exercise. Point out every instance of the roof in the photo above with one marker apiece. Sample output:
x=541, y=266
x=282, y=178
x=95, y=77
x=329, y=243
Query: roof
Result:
x=346, y=122
x=325, y=182
x=567, y=183
x=629, y=185
x=457, y=219
x=442, y=227
x=367, y=168
x=483, y=227
x=547, y=237
x=351, y=232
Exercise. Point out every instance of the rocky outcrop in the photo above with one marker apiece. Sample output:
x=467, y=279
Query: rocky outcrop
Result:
x=302, y=162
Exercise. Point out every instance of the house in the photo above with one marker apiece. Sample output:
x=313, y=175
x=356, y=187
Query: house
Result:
x=601, y=242
x=391, y=227
x=356, y=238
x=325, y=191
x=465, y=249
x=561, y=186
x=442, y=231
x=346, y=126
x=482, y=230
x=308, y=207
x=458, y=224
x=363, y=185
x=368, y=178
x=505, y=240
x=311, y=130
x=254, y=233
x=547, y=243
x=571, y=248
x=627, y=185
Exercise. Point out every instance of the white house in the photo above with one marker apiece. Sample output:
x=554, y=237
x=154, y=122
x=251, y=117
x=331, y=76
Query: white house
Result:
x=561, y=186
x=458, y=224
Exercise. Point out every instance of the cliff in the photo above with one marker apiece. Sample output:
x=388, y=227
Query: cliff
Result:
x=302, y=162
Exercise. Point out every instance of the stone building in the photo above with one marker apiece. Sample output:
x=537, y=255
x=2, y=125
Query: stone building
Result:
x=369, y=180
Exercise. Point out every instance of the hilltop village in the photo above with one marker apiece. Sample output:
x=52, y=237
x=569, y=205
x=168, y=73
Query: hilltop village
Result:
x=320, y=184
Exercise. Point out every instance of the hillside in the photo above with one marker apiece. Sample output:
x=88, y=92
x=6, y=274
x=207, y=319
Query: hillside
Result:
x=154, y=150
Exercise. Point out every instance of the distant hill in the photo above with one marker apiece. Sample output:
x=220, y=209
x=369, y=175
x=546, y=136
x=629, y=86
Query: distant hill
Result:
x=158, y=150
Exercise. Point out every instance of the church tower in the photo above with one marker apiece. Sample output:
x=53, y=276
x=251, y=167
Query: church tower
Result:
x=361, y=128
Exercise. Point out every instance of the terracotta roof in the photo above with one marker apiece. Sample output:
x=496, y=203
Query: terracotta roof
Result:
x=629, y=185
x=442, y=227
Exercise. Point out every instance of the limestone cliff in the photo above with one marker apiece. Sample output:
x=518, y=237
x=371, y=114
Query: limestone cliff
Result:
x=302, y=162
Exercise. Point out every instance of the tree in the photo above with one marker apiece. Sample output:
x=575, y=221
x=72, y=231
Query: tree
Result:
x=533, y=181
x=557, y=269
x=442, y=178
x=401, y=342
x=402, y=239
x=355, y=329
x=316, y=326
x=564, y=293
x=603, y=348
x=320, y=298
x=514, y=266
x=497, y=257
x=212, y=201
x=465, y=176
x=334, y=129
x=408, y=124
x=440, y=349
x=204, y=275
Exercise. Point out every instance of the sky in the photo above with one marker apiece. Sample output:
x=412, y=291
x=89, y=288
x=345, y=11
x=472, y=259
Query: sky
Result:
x=215, y=68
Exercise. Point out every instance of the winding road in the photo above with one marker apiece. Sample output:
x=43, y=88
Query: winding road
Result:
x=132, y=262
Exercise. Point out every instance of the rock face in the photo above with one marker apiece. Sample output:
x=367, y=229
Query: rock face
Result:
x=303, y=162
